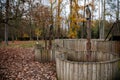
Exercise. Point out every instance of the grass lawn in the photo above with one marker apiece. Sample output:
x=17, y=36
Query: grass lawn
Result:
x=24, y=44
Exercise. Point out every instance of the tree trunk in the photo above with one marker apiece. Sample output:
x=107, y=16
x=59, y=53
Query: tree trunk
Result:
x=6, y=26
x=30, y=33
x=70, y=15
x=12, y=38
x=6, y=34
x=46, y=46
x=58, y=21
x=45, y=43
x=99, y=19
x=30, y=19
x=103, y=21
x=44, y=35
x=83, y=27
x=16, y=38
x=117, y=14
x=50, y=41
x=50, y=36
x=37, y=38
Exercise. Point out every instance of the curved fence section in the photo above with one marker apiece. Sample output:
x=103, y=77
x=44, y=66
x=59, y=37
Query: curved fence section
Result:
x=96, y=45
x=101, y=67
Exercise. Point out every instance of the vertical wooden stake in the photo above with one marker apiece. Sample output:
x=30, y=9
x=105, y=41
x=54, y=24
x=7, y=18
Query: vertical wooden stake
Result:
x=88, y=13
x=88, y=39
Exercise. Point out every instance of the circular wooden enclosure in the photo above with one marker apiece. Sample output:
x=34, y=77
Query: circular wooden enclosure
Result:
x=96, y=45
x=76, y=66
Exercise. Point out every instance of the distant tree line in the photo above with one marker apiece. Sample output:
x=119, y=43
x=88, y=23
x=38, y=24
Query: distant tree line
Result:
x=31, y=20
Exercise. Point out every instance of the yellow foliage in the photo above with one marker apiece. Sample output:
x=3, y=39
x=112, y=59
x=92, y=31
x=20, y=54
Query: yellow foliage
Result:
x=38, y=32
x=76, y=18
x=81, y=7
x=83, y=20
x=25, y=35
x=72, y=34
x=59, y=18
x=93, y=23
x=73, y=30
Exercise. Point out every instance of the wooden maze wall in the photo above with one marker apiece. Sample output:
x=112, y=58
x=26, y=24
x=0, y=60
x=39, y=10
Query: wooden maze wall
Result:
x=73, y=70
x=43, y=55
x=72, y=62
x=96, y=45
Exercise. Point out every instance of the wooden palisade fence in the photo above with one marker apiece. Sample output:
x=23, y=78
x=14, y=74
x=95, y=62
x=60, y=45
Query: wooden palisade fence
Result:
x=44, y=55
x=96, y=45
x=75, y=66
x=72, y=61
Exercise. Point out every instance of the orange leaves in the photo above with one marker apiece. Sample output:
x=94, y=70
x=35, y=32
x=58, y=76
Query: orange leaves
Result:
x=42, y=15
x=20, y=65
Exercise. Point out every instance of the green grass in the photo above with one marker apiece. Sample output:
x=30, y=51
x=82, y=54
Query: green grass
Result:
x=23, y=44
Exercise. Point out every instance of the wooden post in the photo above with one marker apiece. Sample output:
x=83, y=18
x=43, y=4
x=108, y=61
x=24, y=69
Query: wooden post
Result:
x=6, y=25
x=51, y=26
x=50, y=36
x=58, y=19
x=83, y=27
x=88, y=13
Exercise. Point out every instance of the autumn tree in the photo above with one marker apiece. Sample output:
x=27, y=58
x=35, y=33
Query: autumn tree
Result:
x=78, y=17
x=51, y=27
x=75, y=18
x=42, y=18
x=9, y=12
x=59, y=9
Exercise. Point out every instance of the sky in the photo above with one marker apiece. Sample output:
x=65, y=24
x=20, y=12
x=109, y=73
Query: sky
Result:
x=66, y=10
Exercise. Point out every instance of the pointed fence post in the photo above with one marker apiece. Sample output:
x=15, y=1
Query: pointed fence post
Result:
x=88, y=13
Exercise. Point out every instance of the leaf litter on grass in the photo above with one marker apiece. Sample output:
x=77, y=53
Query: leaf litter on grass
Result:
x=19, y=64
